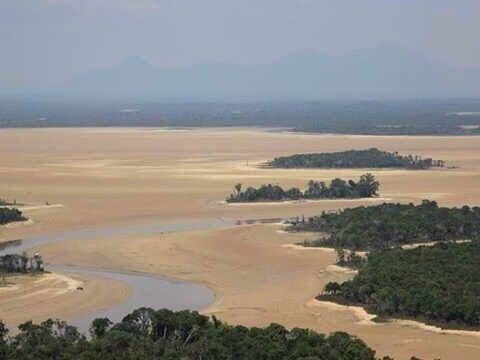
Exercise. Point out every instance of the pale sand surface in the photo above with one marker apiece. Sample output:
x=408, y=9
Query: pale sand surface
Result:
x=104, y=177
x=258, y=281
x=430, y=243
x=55, y=295
x=120, y=175
x=366, y=318
x=299, y=202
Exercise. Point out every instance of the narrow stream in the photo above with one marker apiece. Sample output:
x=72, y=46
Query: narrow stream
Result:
x=147, y=290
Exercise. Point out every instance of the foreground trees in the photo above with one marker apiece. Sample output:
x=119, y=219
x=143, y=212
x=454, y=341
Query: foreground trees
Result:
x=8, y=215
x=438, y=284
x=366, y=186
x=163, y=334
x=388, y=225
x=370, y=158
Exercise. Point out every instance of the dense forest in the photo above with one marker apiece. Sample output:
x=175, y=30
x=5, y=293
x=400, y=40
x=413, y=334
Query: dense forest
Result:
x=8, y=215
x=366, y=186
x=163, y=334
x=15, y=263
x=370, y=158
x=388, y=225
x=438, y=284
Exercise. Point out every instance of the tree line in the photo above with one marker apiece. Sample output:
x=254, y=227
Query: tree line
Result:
x=369, y=158
x=15, y=263
x=389, y=225
x=8, y=215
x=163, y=334
x=366, y=186
x=438, y=284
x=432, y=117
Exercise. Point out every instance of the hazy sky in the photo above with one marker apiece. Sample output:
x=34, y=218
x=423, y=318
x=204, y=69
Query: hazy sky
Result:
x=48, y=41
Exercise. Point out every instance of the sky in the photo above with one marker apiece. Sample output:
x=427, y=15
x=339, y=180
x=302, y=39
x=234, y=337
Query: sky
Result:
x=46, y=42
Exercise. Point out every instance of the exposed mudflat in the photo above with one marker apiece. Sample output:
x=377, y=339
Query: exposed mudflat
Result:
x=116, y=176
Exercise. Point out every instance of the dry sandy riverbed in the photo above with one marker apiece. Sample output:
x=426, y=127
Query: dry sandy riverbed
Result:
x=258, y=280
x=55, y=295
x=116, y=176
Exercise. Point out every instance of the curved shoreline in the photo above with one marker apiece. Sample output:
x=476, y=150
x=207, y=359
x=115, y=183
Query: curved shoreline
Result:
x=302, y=201
x=366, y=318
x=146, y=289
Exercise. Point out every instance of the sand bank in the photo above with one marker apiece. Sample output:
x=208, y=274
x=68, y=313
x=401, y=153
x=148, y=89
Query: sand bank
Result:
x=431, y=243
x=118, y=175
x=308, y=248
x=39, y=207
x=56, y=295
x=363, y=317
x=303, y=201
x=366, y=318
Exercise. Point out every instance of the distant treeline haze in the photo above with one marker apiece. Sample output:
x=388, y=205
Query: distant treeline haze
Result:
x=365, y=187
x=370, y=158
x=389, y=117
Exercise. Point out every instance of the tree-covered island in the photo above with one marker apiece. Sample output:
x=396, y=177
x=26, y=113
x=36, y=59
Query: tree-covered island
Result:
x=8, y=215
x=365, y=187
x=369, y=158
x=437, y=284
x=389, y=225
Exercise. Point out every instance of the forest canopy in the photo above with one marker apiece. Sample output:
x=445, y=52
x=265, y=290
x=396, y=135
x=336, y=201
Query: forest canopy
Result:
x=8, y=215
x=388, y=225
x=163, y=334
x=21, y=263
x=370, y=158
x=365, y=187
x=438, y=284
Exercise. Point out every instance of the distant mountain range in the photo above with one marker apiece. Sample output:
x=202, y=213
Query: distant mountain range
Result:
x=386, y=72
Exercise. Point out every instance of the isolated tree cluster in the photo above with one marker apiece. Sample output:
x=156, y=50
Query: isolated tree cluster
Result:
x=365, y=187
x=370, y=158
x=8, y=215
x=15, y=263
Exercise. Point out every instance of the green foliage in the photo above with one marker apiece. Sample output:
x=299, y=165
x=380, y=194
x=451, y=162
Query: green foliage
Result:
x=163, y=334
x=349, y=259
x=16, y=263
x=388, y=225
x=439, y=284
x=370, y=158
x=367, y=186
x=8, y=215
